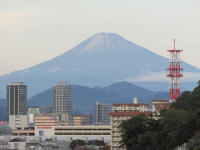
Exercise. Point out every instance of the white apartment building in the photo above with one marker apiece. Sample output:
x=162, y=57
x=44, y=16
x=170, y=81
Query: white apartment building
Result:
x=124, y=112
x=62, y=99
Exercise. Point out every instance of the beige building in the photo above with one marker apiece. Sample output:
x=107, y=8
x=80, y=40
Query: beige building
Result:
x=61, y=117
x=158, y=105
x=48, y=126
x=124, y=112
x=18, y=121
x=82, y=130
x=46, y=121
x=44, y=125
x=78, y=120
x=87, y=118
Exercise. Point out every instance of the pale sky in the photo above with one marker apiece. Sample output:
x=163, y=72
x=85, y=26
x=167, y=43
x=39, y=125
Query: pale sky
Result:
x=35, y=31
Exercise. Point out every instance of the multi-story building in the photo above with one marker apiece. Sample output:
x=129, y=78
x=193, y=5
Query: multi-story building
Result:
x=16, y=99
x=157, y=106
x=78, y=120
x=101, y=114
x=18, y=121
x=61, y=117
x=62, y=99
x=124, y=112
x=87, y=118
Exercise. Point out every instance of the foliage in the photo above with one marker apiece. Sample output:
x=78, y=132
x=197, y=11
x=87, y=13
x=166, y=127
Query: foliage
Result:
x=177, y=125
x=197, y=148
x=192, y=144
x=74, y=143
x=96, y=142
x=105, y=147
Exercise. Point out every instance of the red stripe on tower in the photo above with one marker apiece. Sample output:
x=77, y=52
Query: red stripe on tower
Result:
x=174, y=73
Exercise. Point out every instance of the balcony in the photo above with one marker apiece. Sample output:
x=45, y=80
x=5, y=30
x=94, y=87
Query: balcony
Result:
x=120, y=118
x=115, y=124
x=116, y=129
x=116, y=139
x=115, y=144
x=115, y=134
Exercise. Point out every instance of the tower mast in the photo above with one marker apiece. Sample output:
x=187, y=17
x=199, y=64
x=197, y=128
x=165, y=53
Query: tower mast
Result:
x=174, y=73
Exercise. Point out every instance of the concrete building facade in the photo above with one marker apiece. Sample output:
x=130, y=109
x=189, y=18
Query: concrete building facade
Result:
x=18, y=121
x=16, y=99
x=101, y=114
x=87, y=118
x=157, y=106
x=62, y=99
x=124, y=112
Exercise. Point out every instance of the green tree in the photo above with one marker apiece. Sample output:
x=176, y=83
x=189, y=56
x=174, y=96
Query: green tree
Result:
x=76, y=142
x=177, y=125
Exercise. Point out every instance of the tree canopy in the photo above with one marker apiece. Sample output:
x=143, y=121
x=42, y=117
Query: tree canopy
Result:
x=179, y=123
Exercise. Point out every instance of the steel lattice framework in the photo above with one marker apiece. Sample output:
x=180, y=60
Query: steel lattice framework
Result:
x=174, y=73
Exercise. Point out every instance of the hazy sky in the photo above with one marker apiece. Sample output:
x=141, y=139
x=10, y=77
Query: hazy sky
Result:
x=34, y=31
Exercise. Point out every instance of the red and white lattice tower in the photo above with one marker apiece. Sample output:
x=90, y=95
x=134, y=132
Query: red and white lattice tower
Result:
x=174, y=73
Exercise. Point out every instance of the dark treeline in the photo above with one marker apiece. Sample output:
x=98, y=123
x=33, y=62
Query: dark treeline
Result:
x=178, y=124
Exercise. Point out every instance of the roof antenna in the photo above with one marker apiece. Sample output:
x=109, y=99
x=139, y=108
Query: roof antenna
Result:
x=174, y=43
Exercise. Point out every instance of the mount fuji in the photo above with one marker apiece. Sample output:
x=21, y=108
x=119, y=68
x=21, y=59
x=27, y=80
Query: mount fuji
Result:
x=102, y=59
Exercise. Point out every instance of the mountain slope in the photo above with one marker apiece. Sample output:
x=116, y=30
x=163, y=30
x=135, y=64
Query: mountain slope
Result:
x=126, y=90
x=84, y=97
x=103, y=59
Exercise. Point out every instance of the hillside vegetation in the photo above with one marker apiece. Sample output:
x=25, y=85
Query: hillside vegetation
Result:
x=177, y=125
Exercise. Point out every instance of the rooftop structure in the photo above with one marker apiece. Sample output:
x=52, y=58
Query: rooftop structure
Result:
x=5, y=130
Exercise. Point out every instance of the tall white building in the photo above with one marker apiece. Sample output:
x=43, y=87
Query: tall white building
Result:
x=62, y=99
x=101, y=113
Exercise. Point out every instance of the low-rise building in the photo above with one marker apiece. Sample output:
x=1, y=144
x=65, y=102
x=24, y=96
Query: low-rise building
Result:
x=17, y=143
x=158, y=105
x=78, y=120
x=87, y=118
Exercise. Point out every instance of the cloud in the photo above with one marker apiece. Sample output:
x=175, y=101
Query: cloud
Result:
x=54, y=70
x=25, y=71
x=77, y=70
x=161, y=77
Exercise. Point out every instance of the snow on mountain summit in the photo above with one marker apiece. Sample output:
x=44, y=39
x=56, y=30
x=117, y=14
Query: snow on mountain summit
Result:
x=107, y=43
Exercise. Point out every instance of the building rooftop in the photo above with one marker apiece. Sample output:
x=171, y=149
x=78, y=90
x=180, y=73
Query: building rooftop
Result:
x=130, y=104
x=5, y=130
x=159, y=100
x=128, y=113
x=160, y=103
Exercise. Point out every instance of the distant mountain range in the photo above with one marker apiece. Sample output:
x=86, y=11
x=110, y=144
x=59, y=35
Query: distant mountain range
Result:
x=102, y=59
x=84, y=97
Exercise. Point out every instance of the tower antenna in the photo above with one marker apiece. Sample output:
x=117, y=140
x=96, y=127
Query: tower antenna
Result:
x=174, y=73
